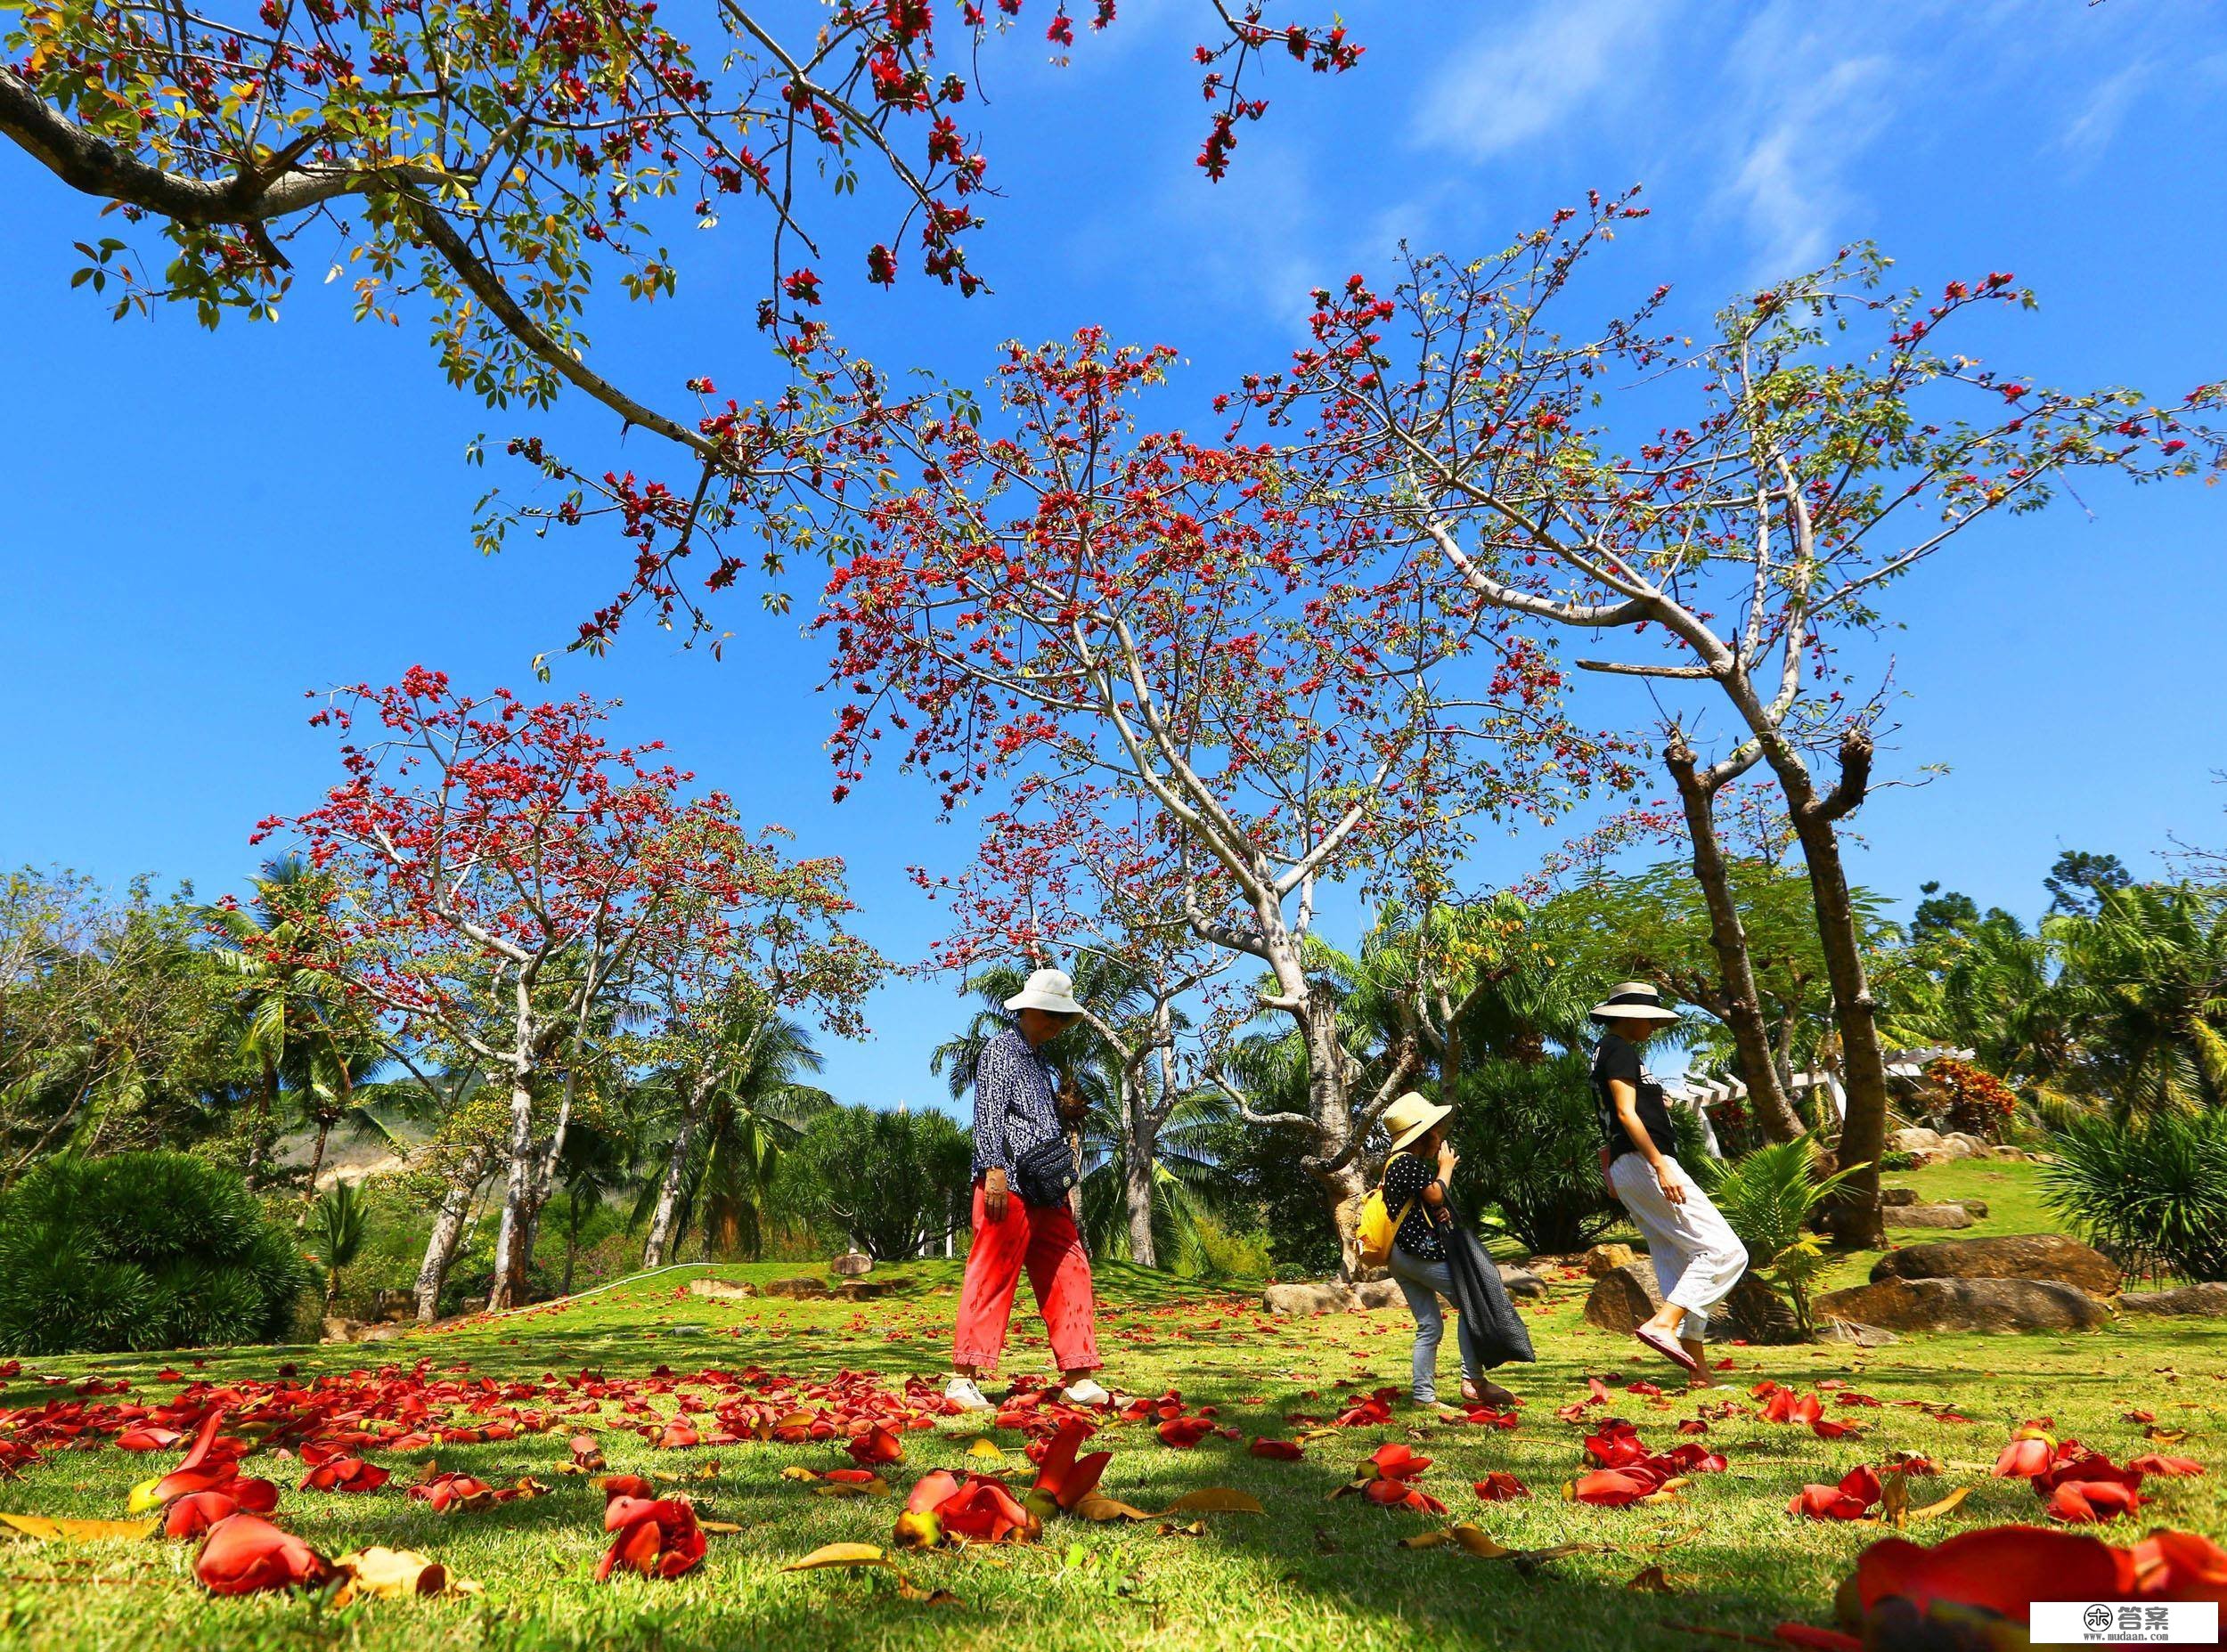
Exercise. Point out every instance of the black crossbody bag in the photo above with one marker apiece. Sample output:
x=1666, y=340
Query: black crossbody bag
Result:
x=1043, y=1174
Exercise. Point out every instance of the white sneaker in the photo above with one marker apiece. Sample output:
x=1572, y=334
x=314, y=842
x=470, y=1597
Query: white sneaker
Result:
x=1087, y=1393
x=963, y=1393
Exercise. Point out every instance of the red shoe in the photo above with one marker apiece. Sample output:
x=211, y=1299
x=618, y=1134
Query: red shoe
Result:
x=1668, y=1348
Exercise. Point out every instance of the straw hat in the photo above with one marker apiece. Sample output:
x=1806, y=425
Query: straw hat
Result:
x=1047, y=989
x=1633, y=1000
x=1411, y=1117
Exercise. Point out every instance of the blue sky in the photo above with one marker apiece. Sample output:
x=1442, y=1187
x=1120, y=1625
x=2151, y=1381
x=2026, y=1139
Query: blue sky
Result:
x=201, y=527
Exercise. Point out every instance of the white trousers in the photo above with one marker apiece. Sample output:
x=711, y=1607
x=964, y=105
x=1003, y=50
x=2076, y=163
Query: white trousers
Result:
x=1698, y=1257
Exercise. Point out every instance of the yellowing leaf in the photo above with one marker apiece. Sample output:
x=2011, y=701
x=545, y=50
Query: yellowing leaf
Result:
x=398, y=1575
x=1944, y=1505
x=49, y=1530
x=986, y=1448
x=1215, y=1500
x=839, y=1554
x=1476, y=1541
x=876, y=1487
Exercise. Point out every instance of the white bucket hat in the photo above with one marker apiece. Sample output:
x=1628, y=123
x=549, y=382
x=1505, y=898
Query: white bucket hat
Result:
x=1633, y=1000
x=1047, y=989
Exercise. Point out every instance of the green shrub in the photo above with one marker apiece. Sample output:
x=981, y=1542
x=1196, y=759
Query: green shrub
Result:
x=1768, y=1196
x=141, y=1250
x=1530, y=1148
x=2152, y=1196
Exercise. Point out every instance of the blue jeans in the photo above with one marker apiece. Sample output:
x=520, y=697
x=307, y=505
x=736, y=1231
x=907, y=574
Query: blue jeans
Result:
x=1423, y=1283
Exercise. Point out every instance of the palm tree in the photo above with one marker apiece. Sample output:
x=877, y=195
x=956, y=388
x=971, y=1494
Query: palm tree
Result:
x=737, y=1103
x=2142, y=994
x=288, y=1014
x=337, y=1228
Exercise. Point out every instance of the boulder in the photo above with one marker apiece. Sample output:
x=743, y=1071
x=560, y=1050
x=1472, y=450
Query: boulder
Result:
x=2207, y=1300
x=1916, y=1139
x=801, y=1289
x=334, y=1329
x=1302, y=1297
x=852, y=1264
x=1926, y=1215
x=1893, y=1196
x=721, y=1289
x=1603, y=1260
x=1621, y=1299
x=1977, y=1206
x=865, y=1290
x=1982, y=1304
x=2009, y=1154
x=2006, y=1255
x=1520, y=1281
x=1849, y=1333
x=1957, y=1145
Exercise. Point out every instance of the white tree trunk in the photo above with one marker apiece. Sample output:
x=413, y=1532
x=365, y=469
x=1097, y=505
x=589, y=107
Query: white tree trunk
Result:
x=657, y=1250
x=440, y=1249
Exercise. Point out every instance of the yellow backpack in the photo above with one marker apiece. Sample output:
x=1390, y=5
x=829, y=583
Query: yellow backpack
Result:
x=1379, y=1227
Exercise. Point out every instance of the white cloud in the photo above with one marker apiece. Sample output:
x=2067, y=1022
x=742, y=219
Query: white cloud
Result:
x=2090, y=133
x=1512, y=83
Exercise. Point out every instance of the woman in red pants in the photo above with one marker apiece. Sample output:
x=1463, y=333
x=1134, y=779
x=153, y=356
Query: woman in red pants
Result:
x=1017, y=1108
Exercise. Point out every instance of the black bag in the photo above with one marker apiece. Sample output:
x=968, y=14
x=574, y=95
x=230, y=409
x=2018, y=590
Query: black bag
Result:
x=1043, y=1174
x=1487, y=1314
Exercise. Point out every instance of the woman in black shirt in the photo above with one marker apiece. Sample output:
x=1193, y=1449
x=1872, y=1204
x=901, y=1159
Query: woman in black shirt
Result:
x=1698, y=1257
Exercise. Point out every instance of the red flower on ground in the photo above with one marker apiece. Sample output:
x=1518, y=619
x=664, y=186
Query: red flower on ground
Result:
x=245, y=1553
x=657, y=1537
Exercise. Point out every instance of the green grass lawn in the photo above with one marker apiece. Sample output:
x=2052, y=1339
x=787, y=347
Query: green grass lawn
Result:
x=1308, y=1572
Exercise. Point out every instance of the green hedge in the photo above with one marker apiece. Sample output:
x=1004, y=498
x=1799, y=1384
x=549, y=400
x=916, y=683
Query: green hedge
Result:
x=141, y=1250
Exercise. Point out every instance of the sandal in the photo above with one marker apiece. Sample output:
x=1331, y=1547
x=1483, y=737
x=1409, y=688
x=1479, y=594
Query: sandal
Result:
x=1667, y=1347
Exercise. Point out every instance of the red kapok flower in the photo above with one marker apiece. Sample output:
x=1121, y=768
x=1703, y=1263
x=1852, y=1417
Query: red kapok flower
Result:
x=877, y=1444
x=1280, y=1451
x=1067, y=1479
x=1500, y=1486
x=657, y=1537
x=245, y=1553
x=984, y=1510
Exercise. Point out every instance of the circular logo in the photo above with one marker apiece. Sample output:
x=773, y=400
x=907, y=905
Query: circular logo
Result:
x=2097, y=1617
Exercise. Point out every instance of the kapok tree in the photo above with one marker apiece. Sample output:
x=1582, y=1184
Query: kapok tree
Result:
x=485, y=841
x=1062, y=875
x=493, y=168
x=718, y=970
x=1153, y=623
x=1785, y=476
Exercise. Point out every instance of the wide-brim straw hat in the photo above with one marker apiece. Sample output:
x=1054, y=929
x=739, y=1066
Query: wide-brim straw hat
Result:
x=1047, y=989
x=1411, y=1117
x=1633, y=1000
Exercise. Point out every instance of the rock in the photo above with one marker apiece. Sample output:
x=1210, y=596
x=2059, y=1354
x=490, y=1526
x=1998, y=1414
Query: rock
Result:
x=1755, y=1313
x=1372, y=1295
x=1916, y=1139
x=334, y=1329
x=1926, y=1215
x=1977, y=1206
x=852, y=1264
x=1893, y=1196
x=2006, y=1256
x=721, y=1289
x=1979, y=1304
x=1303, y=1297
x=2209, y=1300
x=2009, y=1154
x=1603, y=1260
x=1852, y=1334
x=865, y=1290
x=1923, y=1159
x=801, y=1290
x=1957, y=1145
x=1621, y=1299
